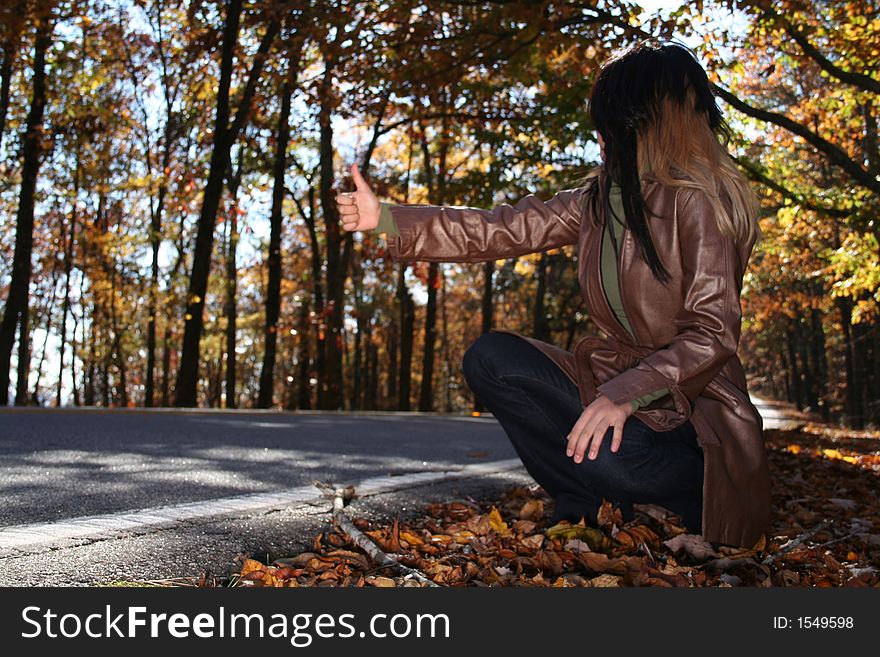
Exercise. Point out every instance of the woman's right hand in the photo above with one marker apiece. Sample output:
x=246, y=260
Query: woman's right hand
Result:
x=358, y=210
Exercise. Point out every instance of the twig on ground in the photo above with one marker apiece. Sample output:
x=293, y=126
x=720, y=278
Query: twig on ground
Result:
x=340, y=496
x=793, y=543
x=838, y=539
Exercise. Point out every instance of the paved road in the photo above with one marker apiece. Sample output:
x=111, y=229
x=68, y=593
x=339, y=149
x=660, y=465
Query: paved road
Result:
x=58, y=464
x=90, y=496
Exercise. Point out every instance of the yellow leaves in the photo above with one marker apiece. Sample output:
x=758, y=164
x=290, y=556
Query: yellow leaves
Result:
x=857, y=270
x=547, y=170
x=827, y=452
x=250, y=565
x=565, y=531
x=497, y=523
x=837, y=455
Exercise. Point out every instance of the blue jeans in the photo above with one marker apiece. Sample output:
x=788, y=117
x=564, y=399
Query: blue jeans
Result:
x=537, y=405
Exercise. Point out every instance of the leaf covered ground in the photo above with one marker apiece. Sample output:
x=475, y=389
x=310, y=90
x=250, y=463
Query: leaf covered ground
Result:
x=826, y=532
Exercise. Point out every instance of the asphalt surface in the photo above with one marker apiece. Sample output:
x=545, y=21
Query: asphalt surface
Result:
x=57, y=464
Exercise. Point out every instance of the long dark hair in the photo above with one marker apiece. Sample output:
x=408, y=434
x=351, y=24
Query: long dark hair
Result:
x=655, y=109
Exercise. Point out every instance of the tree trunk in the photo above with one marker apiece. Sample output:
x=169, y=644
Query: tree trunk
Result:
x=304, y=389
x=273, y=289
x=65, y=305
x=317, y=292
x=541, y=330
x=447, y=366
x=371, y=396
x=15, y=313
x=861, y=371
x=426, y=396
x=22, y=398
x=487, y=311
x=796, y=381
x=186, y=392
x=875, y=361
x=809, y=369
x=844, y=307
x=166, y=363
x=407, y=328
x=820, y=360
x=89, y=372
x=188, y=371
x=393, y=350
x=357, y=388
x=13, y=17
x=330, y=389
x=230, y=308
x=155, y=244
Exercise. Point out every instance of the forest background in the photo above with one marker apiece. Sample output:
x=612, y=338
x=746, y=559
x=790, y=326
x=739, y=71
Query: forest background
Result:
x=168, y=170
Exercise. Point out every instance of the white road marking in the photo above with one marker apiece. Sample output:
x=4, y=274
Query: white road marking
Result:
x=18, y=538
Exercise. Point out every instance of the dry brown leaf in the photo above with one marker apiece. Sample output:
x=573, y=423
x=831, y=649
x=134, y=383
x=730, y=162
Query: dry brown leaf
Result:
x=549, y=562
x=381, y=582
x=524, y=526
x=693, y=544
x=479, y=525
x=604, y=581
x=354, y=558
x=608, y=516
x=532, y=510
x=577, y=545
x=532, y=542
x=632, y=537
x=393, y=542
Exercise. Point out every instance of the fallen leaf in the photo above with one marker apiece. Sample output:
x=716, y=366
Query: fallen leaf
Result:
x=251, y=565
x=393, y=543
x=576, y=545
x=533, y=542
x=496, y=522
x=381, y=582
x=532, y=510
x=634, y=536
x=692, y=544
x=593, y=537
x=605, y=581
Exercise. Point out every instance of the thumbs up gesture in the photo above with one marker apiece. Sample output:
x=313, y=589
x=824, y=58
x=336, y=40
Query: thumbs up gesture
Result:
x=358, y=210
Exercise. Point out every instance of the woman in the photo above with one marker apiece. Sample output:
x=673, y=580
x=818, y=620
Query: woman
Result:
x=655, y=410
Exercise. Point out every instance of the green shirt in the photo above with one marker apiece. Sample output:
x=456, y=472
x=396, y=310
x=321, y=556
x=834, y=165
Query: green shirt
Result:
x=609, y=271
x=610, y=279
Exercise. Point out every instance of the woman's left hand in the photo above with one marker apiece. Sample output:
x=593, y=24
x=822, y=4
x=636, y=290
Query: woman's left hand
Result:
x=589, y=431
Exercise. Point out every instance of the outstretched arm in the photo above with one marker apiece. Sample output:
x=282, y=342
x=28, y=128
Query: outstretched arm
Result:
x=454, y=233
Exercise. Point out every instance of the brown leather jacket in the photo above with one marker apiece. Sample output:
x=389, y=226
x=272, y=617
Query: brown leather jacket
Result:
x=687, y=332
